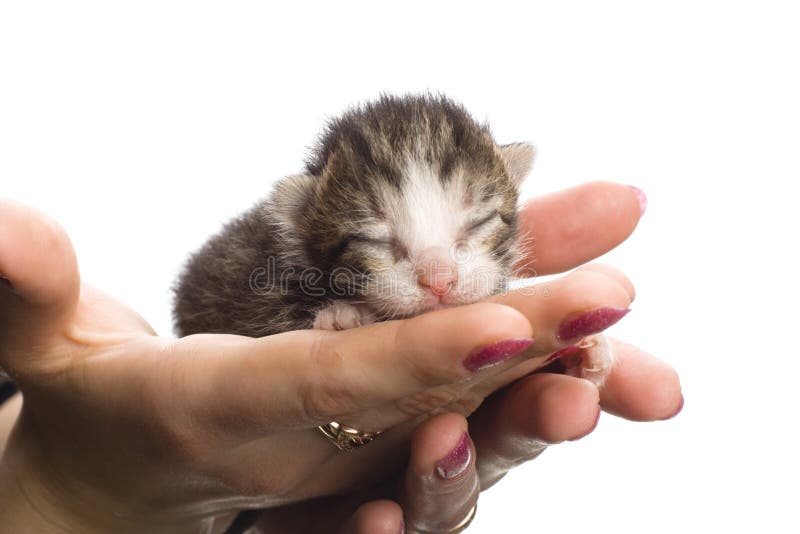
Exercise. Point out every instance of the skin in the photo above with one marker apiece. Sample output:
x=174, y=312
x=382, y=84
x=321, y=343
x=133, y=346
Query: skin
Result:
x=165, y=435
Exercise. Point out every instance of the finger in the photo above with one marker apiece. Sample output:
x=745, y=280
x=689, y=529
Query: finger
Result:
x=640, y=387
x=565, y=229
x=613, y=273
x=441, y=485
x=562, y=312
x=376, y=517
x=517, y=424
x=307, y=378
x=584, y=302
x=41, y=285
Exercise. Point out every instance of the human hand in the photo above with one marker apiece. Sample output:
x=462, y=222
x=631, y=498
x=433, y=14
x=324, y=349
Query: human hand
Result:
x=515, y=424
x=122, y=430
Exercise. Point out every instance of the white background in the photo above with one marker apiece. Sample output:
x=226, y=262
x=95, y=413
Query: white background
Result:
x=142, y=125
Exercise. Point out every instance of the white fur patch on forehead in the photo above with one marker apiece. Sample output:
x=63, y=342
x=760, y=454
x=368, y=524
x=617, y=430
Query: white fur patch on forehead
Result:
x=425, y=212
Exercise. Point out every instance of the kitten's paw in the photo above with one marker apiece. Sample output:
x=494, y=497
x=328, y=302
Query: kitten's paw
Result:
x=594, y=361
x=340, y=315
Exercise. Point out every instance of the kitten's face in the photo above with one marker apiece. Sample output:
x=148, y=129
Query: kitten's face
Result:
x=429, y=243
x=420, y=241
x=408, y=205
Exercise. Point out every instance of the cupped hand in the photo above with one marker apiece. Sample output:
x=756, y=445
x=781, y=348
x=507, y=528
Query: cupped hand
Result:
x=517, y=423
x=121, y=429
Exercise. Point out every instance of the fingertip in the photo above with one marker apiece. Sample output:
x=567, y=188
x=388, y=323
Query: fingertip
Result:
x=641, y=197
x=555, y=308
x=376, y=517
x=614, y=274
x=37, y=257
x=561, y=408
x=433, y=445
x=460, y=341
x=568, y=228
x=441, y=485
x=641, y=387
x=629, y=201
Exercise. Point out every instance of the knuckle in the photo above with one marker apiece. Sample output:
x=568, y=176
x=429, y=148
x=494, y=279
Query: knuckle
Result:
x=324, y=393
x=422, y=366
x=324, y=401
x=425, y=402
x=431, y=373
x=465, y=405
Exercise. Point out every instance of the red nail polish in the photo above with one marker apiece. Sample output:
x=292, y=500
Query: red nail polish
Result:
x=641, y=197
x=457, y=461
x=494, y=354
x=590, y=322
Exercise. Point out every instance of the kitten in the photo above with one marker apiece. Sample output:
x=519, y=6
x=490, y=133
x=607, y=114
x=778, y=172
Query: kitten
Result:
x=407, y=205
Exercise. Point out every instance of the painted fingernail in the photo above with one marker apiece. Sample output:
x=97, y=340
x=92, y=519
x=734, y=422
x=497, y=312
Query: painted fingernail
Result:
x=678, y=410
x=590, y=322
x=457, y=461
x=641, y=197
x=496, y=353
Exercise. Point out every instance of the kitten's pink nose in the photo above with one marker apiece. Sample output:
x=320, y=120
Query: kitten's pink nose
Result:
x=436, y=271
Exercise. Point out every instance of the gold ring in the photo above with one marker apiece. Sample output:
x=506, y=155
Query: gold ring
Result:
x=461, y=527
x=346, y=438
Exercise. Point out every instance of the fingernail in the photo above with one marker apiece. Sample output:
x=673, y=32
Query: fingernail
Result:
x=494, y=354
x=402, y=528
x=590, y=322
x=678, y=410
x=457, y=461
x=641, y=197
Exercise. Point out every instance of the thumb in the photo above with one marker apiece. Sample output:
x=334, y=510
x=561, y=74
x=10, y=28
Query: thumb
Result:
x=39, y=283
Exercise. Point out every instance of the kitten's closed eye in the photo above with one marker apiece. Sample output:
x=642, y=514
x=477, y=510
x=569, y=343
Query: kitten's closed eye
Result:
x=391, y=244
x=481, y=221
x=367, y=240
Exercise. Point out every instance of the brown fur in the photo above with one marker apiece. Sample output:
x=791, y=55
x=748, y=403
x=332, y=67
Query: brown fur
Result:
x=316, y=220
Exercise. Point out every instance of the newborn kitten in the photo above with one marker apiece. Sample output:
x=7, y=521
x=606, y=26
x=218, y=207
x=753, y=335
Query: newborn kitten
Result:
x=406, y=205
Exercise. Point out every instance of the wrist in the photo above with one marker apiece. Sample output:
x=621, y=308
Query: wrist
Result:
x=25, y=508
x=30, y=501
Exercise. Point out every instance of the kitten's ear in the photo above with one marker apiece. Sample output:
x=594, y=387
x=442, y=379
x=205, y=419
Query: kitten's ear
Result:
x=290, y=197
x=518, y=158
